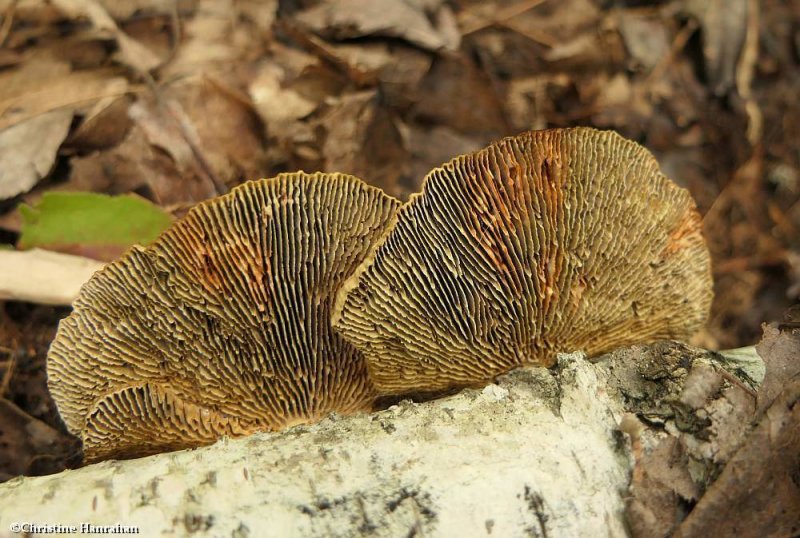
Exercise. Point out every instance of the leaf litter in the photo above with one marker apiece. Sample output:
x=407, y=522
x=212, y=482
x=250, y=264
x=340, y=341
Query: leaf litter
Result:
x=180, y=101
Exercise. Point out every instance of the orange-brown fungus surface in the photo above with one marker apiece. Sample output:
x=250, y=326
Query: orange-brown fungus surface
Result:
x=552, y=241
x=222, y=326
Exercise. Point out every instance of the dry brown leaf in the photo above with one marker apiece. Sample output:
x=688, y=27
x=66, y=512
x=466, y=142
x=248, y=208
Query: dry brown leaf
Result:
x=564, y=19
x=724, y=26
x=11, y=221
x=645, y=37
x=206, y=40
x=131, y=52
x=212, y=41
x=758, y=493
x=345, y=19
x=663, y=489
x=622, y=104
x=279, y=107
x=136, y=165
x=9, y=58
x=398, y=69
x=363, y=139
x=529, y=99
x=19, y=83
x=44, y=12
x=157, y=153
x=585, y=45
x=114, y=171
x=260, y=12
x=122, y=11
x=430, y=147
x=28, y=151
x=455, y=93
x=780, y=350
x=545, y=23
x=285, y=90
x=104, y=125
x=311, y=76
x=224, y=128
x=198, y=138
x=43, y=85
x=748, y=477
x=163, y=132
x=37, y=12
x=293, y=61
x=793, y=262
x=698, y=416
x=43, y=447
x=154, y=159
x=727, y=411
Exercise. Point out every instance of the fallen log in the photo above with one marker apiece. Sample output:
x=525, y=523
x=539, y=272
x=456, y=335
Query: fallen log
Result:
x=538, y=453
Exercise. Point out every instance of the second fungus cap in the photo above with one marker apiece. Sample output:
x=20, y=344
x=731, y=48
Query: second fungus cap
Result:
x=552, y=241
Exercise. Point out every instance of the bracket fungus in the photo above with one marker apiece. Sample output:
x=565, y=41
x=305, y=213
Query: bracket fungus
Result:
x=222, y=325
x=296, y=296
x=551, y=241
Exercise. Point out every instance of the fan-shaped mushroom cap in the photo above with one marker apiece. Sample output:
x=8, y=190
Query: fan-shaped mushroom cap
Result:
x=222, y=326
x=551, y=241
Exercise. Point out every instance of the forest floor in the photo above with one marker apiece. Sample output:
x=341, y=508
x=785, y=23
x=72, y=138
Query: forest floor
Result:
x=178, y=102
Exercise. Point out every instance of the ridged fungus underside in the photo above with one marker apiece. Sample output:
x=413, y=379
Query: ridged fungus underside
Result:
x=552, y=241
x=296, y=296
x=222, y=326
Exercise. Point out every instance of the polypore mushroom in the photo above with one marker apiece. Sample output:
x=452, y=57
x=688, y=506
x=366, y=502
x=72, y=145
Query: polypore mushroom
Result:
x=222, y=325
x=558, y=240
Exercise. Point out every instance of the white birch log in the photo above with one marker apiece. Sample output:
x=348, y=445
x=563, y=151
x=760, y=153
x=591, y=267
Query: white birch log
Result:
x=536, y=454
x=539, y=453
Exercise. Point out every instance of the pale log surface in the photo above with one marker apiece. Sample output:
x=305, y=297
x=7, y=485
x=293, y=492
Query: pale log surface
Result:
x=535, y=454
x=41, y=276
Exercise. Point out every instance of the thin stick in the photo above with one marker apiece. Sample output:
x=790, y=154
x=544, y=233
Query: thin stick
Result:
x=8, y=374
x=503, y=15
x=8, y=20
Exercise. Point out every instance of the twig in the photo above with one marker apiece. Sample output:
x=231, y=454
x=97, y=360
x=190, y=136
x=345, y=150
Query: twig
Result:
x=319, y=48
x=732, y=379
x=537, y=36
x=8, y=20
x=10, y=367
x=680, y=40
x=43, y=277
x=782, y=222
x=501, y=16
x=14, y=408
x=184, y=127
x=744, y=75
x=175, y=34
x=737, y=265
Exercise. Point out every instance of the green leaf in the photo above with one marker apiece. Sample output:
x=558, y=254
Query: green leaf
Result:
x=90, y=224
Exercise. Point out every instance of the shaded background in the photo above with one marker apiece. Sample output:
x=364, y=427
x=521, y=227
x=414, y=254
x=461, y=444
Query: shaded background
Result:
x=180, y=101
